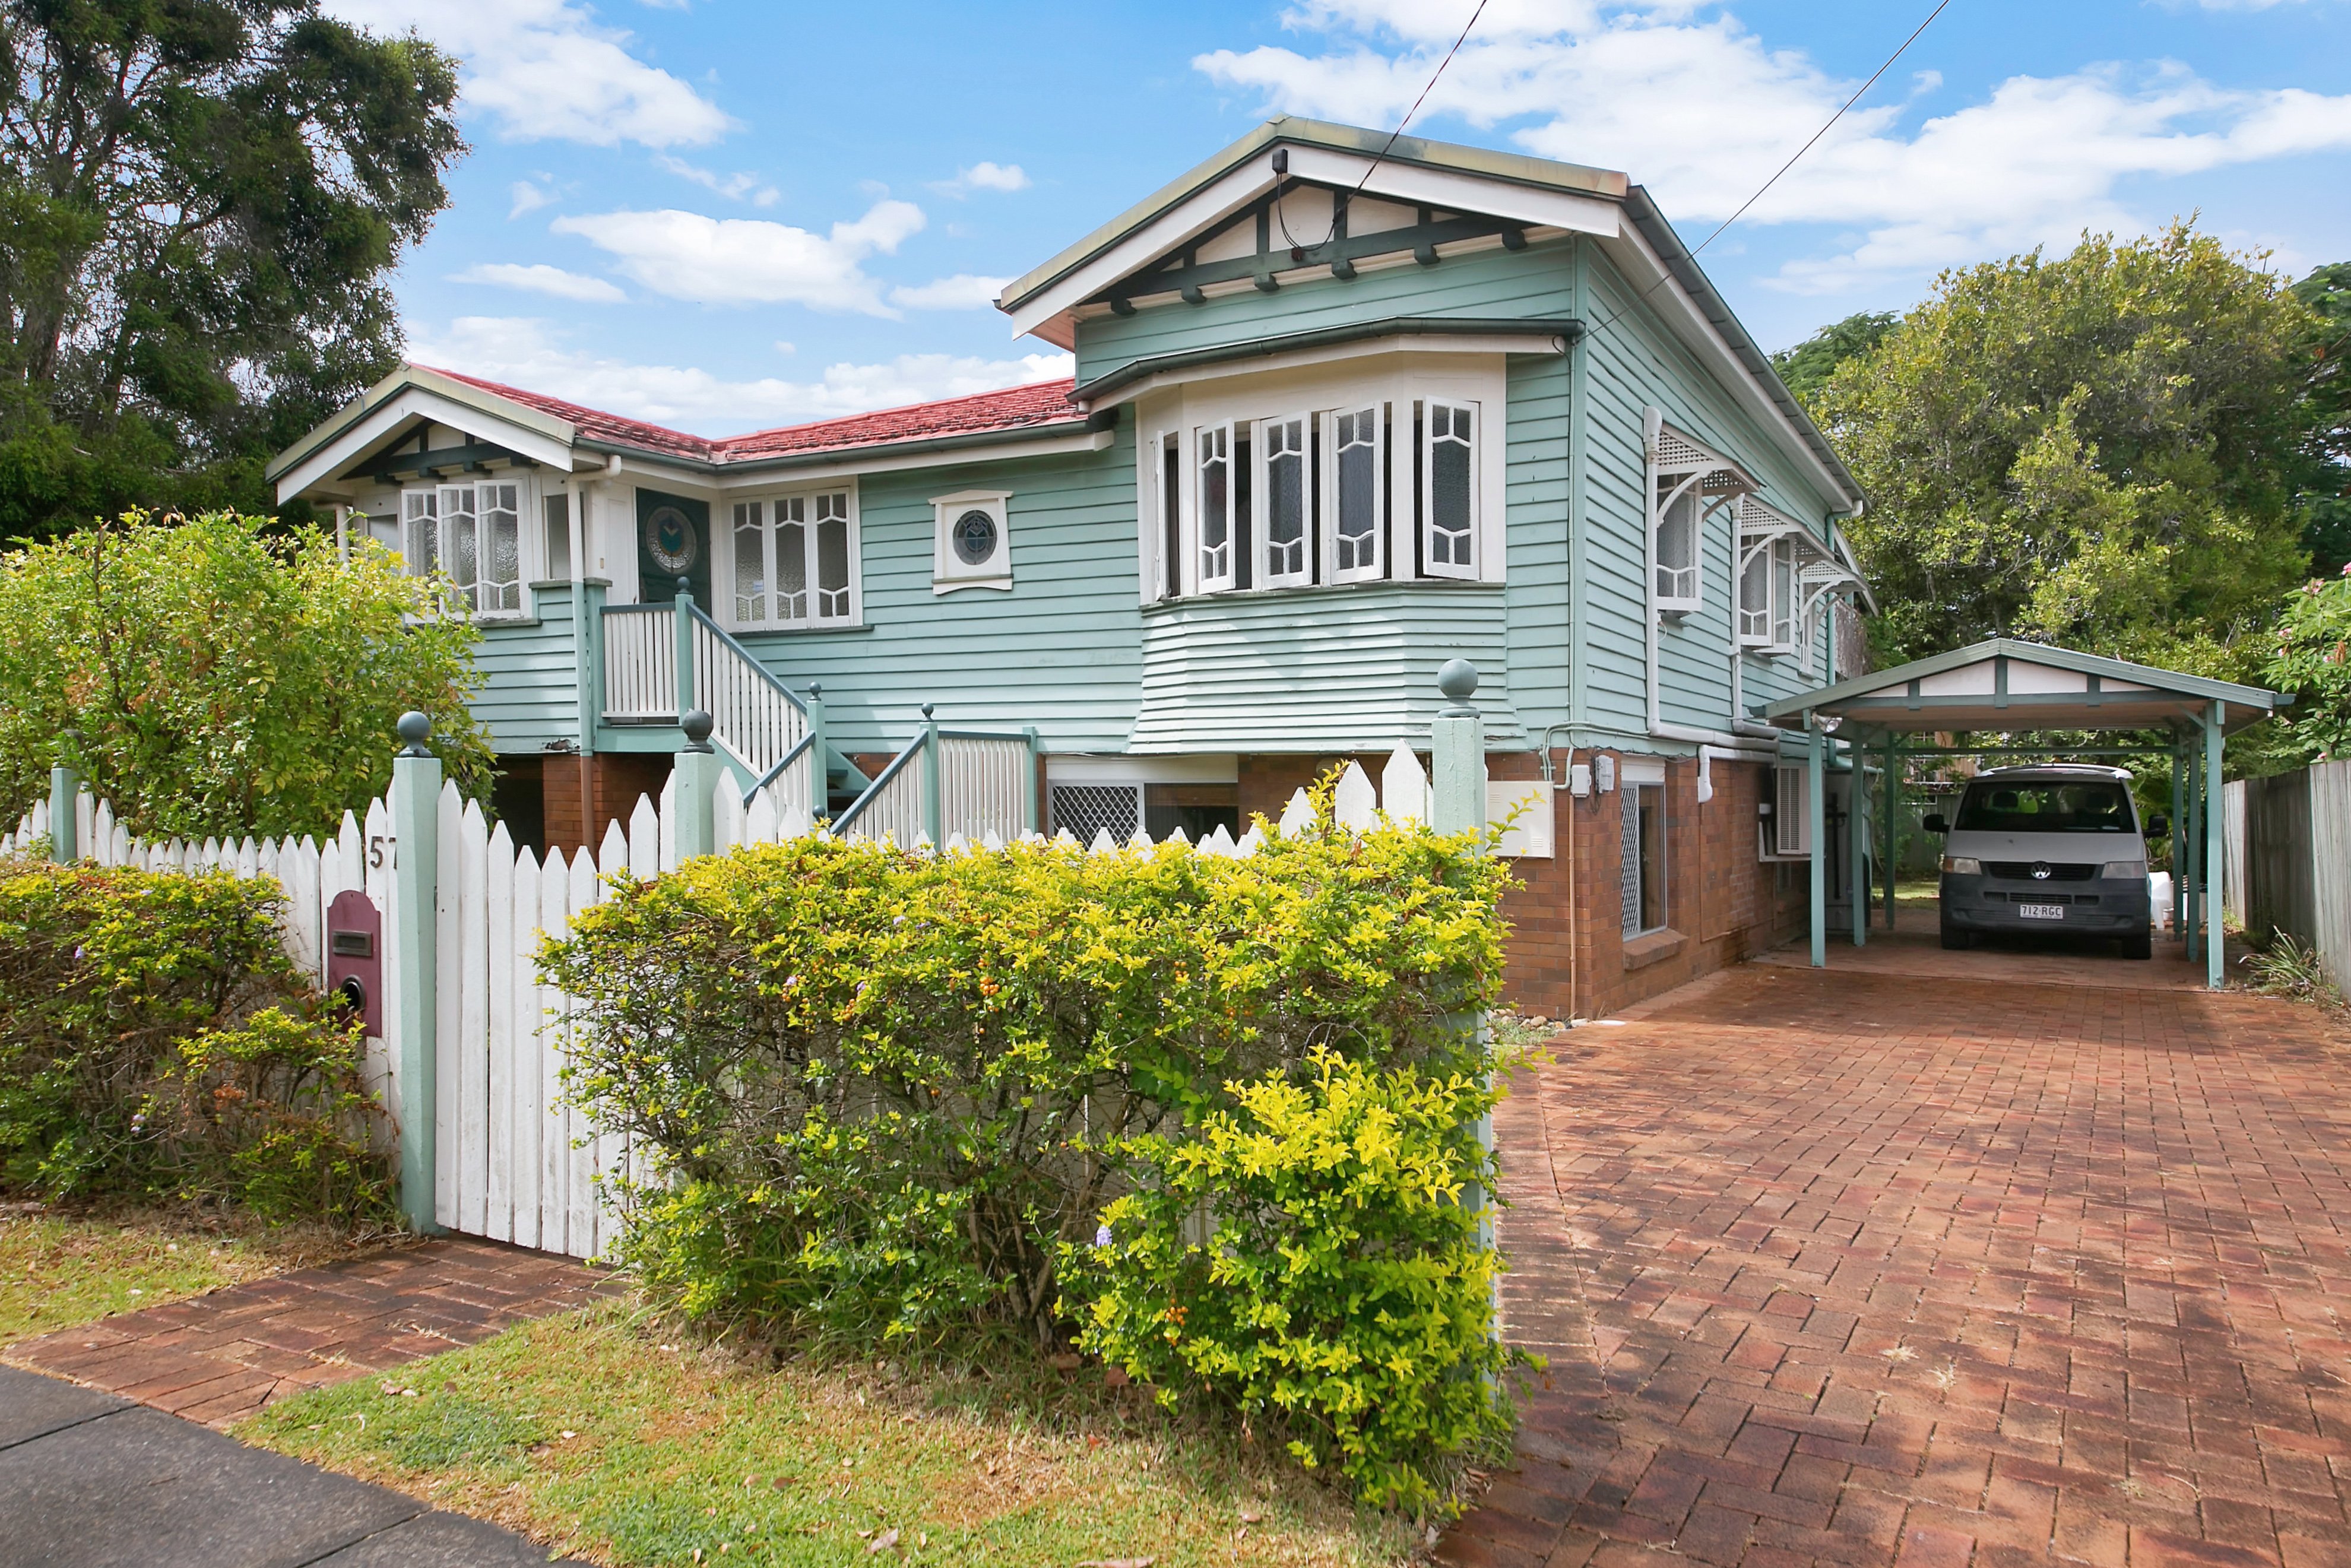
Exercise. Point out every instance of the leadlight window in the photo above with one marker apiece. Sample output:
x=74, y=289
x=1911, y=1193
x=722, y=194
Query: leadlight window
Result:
x=1357, y=454
x=1287, y=488
x=471, y=535
x=1217, y=508
x=794, y=561
x=1449, y=507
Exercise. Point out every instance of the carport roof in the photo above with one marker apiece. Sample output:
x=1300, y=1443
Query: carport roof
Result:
x=2008, y=685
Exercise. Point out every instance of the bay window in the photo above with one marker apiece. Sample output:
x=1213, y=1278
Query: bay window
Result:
x=795, y=561
x=472, y=535
x=1374, y=482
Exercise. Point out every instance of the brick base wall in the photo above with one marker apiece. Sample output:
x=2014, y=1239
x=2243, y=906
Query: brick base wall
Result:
x=583, y=795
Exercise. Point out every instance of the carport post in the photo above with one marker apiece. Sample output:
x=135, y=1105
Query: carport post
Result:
x=2216, y=841
x=1817, y=830
x=2192, y=844
x=1857, y=833
x=1889, y=801
x=2178, y=837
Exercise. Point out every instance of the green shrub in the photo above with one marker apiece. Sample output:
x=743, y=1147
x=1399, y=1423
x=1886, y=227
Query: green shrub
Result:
x=157, y=1043
x=1308, y=1255
x=886, y=1093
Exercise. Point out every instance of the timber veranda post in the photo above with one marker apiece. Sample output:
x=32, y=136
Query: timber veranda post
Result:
x=416, y=878
x=2216, y=845
x=1458, y=805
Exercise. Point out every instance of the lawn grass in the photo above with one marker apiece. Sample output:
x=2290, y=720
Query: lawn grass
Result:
x=601, y=1438
x=56, y=1271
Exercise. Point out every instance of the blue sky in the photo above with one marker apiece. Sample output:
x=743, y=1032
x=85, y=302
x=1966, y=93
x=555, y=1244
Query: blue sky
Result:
x=722, y=215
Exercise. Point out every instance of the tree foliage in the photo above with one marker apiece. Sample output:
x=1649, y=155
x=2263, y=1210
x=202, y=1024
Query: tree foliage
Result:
x=210, y=679
x=2326, y=485
x=199, y=202
x=2312, y=660
x=1806, y=367
x=2099, y=451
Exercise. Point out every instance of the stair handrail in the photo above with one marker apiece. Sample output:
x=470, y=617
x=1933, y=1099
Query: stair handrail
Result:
x=727, y=638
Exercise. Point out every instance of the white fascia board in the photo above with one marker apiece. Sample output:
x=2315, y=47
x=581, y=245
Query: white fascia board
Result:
x=1687, y=322
x=1411, y=184
x=1338, y=353
x=851, y=465
x=1406, y=184
x=1141, y=247
x=380, y=423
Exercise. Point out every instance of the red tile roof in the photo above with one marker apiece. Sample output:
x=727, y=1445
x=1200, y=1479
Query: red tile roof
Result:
x=1012, y=408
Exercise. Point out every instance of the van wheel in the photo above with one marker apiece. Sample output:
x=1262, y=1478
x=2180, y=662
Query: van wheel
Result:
x=1958, y=940
x=2139, y=947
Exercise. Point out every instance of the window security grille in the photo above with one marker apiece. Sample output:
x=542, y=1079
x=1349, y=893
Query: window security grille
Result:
x=1791, y=810
x=1629, y=872
x=1087, y=809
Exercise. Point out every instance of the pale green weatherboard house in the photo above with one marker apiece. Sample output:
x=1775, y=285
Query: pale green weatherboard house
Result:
x=1337, y=418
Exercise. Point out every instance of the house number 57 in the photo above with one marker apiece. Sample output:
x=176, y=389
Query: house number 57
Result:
x=383, y=852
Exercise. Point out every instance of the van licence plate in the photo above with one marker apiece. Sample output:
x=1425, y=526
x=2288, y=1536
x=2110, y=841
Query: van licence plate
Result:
x=2041, y=911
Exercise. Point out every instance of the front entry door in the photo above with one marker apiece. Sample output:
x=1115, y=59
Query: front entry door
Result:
x=672, y=541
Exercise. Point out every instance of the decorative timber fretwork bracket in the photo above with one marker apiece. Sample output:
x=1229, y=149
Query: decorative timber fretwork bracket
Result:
x=1183, y=274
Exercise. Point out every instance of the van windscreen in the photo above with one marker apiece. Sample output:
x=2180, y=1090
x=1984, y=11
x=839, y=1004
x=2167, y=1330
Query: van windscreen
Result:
x=2044, y=806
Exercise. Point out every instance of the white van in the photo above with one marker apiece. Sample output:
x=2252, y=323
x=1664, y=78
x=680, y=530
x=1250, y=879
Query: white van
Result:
x=2055, y=848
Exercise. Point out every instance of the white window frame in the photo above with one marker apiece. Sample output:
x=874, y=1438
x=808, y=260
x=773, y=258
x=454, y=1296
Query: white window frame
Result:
x=1425, y=438
x=1264, y=573
x=846, y=612
x=1383, y=414
x=1767, y=558
x=1216, y=570
x=465, y=602
x=1675, y=501
x=949, y=570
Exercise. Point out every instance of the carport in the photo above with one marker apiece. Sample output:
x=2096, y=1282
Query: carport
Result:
x=2013, y=689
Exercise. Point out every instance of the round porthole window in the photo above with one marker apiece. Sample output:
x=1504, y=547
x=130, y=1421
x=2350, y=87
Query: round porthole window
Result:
x=975, y=537
x=670, y=540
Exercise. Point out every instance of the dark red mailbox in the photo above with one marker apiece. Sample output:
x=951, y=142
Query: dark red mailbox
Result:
x=355, y=957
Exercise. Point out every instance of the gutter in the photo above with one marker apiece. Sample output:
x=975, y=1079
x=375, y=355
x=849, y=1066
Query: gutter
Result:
x=1568, y=330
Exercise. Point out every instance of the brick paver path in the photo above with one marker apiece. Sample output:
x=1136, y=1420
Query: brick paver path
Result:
x=220, y=1357
x=1865, y=1269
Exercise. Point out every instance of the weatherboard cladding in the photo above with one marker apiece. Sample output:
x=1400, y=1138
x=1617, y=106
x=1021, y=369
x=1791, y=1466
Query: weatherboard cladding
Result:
x=1632, y=364
x=1059, y=650
x=527, y=692
x=1318, y=670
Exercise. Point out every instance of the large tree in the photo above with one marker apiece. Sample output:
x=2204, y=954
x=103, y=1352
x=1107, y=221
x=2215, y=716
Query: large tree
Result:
x=200, y=202
x=2101, y=451
x=2325, y=497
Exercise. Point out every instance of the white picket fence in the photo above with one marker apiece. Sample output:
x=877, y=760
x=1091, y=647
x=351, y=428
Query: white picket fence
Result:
x=515, y=1161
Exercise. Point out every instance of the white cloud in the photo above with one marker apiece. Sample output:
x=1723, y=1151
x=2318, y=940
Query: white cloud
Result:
x=543, y=279
x=749, y=261
x=964, y=291
x=527, y=198
x=1702, y=110
x=984, y=176
x=546, y=70
x=736, y=187
x=526, y=352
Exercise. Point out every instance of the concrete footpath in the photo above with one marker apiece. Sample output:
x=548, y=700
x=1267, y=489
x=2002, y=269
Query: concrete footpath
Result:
x=92, y=1480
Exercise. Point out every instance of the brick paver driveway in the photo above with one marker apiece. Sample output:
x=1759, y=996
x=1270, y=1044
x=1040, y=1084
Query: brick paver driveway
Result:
x=1860, y=1268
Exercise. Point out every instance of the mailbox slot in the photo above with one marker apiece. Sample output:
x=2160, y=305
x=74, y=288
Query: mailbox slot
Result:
x=354, y=956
